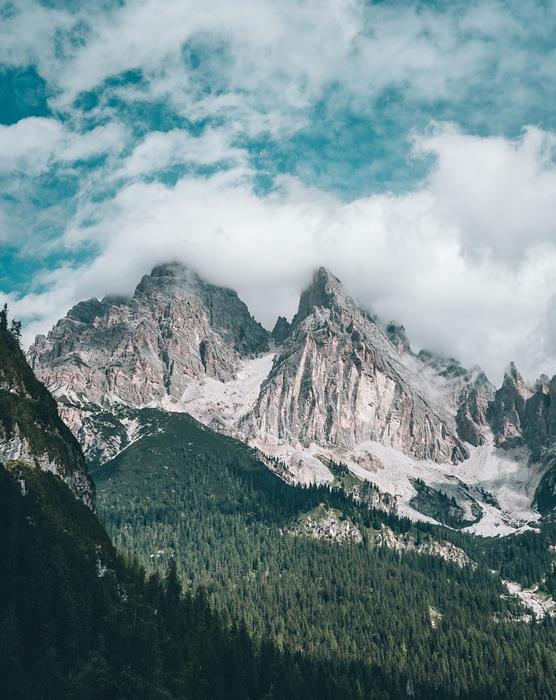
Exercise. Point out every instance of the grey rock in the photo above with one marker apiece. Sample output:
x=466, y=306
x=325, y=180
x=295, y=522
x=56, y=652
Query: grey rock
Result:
x=471, y=417
x=507, y=415
x=281, y=330
x=175, y=328
x=339, y=381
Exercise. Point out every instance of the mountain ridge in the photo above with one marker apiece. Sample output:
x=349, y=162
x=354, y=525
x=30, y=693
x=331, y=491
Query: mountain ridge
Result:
x=336, y=384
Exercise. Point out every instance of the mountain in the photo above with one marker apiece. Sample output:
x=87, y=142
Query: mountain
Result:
x=77, y=622
x=30, y=428
x=290, y=591
x=333, y=385
x=339, y=381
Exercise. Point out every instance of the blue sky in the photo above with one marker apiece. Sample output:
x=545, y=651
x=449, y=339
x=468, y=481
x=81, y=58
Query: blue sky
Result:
x=409, y=146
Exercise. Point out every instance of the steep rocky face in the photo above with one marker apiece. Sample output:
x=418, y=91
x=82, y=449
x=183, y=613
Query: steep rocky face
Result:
x=281, y=330
x=398, y=337
x=175, y=328
x=31, y=430
x=340, y=381
x=507, y=411
x=471, y=417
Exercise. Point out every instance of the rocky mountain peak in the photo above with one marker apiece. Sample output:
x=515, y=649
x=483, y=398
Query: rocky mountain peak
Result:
x=398, y=337
x=325, y=291
x=339, y=381
x=281, y=330
x=507, y=411
x=176, y=328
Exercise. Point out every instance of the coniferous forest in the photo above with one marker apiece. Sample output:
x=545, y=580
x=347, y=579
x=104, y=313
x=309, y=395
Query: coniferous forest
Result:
x=435, y=628
x=211, y=588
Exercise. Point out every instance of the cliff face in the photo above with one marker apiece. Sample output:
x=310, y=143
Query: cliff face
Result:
x=339, y=380
x=337, y=383
x=31, y=430
x=174, y=329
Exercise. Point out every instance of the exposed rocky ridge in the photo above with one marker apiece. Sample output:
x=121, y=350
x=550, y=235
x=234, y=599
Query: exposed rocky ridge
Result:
x=407, y=542
x=325, y=523
x=339, y=381
x=175, y=328
x=31, y=430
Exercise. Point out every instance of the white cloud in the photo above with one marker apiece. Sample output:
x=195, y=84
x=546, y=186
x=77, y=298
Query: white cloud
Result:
x=501, y=193
x=32, y=145
x=159, y=150
x=402, y=256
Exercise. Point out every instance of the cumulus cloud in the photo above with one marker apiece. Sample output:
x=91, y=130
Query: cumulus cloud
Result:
x=404, y=257
x=465, y=259
x=501, y=192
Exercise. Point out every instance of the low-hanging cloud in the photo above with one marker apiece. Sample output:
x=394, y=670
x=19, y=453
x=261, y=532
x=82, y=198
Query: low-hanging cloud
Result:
x=414, y=258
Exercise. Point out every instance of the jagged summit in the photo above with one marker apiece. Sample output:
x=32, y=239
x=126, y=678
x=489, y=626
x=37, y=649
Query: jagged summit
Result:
x=281, y=330
x=175, y=328
x=325, y=291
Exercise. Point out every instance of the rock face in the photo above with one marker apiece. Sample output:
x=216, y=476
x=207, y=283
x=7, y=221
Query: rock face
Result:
x=507, y=412
x=474, y=399
x=337, y=385
x=340, y=381
x=175, y=328
x=31, y=430
x=281, y=330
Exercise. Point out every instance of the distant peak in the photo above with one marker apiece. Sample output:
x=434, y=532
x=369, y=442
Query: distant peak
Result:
x=169, y=269
x=513, y=376
x=324, y=291
x=281, y=330
x=398, y=337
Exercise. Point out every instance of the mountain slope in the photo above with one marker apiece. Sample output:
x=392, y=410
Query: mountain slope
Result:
x=30, y=427
x=337, y=386
x=279, y=557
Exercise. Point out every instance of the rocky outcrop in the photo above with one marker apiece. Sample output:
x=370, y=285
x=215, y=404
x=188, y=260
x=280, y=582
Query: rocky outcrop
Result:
x=507, y=411
x=339, y=381
x=281, y=330
x=31, y=430
x=324, y=523
x=424, y=544
x=175, y=328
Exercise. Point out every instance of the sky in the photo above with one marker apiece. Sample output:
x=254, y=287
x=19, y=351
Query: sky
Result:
x=407, y=146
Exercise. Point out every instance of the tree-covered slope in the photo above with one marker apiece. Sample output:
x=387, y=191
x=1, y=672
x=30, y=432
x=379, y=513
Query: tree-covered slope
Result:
x=79, y=623
x=183, y=491
x=30, y=427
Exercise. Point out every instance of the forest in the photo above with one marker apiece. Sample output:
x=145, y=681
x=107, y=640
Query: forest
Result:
x=186, y=493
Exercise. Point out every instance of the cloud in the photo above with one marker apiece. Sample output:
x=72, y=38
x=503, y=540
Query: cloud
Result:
x=404, y=257
x=31, y=146
x=159, y=150
x=502, y=193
